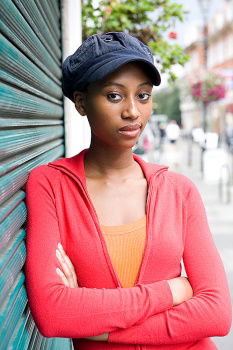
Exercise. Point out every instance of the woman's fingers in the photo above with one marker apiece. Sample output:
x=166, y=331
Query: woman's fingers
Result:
x=101, y=337
x=68, y=263
x=63, y=277
x=67, y=268
x=67, y=259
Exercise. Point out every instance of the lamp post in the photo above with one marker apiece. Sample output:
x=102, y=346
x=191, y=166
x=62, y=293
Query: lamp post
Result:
x=204, y=6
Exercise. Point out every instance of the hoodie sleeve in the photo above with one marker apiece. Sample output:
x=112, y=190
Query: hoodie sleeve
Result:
x=208, y=312
x=61, y=311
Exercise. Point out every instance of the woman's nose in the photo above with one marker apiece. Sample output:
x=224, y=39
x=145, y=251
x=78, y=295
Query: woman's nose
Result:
x=130, y=110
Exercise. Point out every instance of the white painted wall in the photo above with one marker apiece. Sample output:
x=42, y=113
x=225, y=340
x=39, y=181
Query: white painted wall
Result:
x=77, y=130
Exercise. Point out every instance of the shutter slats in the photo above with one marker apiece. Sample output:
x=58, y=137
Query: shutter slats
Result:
x=11, y=297
x=9, y=205
x=47, y=15
x=17, y=103
x=34, y=339
x=16, y=140
x=31, y=134
x=13, y=181
x=17, y=307
x=20, y=71
x=11, y=264
x=19, y=32
x=55, y=8
x=32, y=15
x=12, y=224
x=10, y=80
x=11, y=122
x=17, y=160
x=11, y=36
x=22, y=333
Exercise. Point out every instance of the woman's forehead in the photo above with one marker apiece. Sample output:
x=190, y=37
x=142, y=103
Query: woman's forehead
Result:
x=132, y=71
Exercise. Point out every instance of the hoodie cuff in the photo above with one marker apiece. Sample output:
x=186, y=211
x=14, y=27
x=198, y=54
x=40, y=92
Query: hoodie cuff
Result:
x=162, y=298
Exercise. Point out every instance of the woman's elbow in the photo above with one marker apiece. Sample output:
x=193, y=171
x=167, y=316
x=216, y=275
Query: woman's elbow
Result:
x=224, y=324
x=46, y=332
x=217, y=316
x=223, y=317
x=45, y=326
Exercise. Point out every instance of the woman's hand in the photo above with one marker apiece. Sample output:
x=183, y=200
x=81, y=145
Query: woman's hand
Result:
x=67, y=272
x=181, y=290
x=101, y=337
x=69, y=279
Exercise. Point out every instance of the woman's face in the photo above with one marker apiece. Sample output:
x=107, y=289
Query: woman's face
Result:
x=119, y=106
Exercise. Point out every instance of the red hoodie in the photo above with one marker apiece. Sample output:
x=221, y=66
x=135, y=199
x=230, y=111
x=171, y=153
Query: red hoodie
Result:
x=140, y=317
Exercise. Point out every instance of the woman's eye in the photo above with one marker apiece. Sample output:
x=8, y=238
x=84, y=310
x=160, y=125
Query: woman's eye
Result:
x=144, y=96
x=114, y=97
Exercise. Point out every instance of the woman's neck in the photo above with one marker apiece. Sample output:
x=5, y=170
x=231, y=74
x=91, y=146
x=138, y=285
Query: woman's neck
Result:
x=110, y=162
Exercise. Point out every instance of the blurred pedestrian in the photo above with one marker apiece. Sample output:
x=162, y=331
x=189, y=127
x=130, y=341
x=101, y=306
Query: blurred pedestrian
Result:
x=172, y=131
x=162, y=134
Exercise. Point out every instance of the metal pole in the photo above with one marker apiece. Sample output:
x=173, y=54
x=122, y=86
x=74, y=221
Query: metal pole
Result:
x=205, y=54
x=204, y=9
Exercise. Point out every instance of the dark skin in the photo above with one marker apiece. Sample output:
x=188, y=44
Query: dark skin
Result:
x=115, y=181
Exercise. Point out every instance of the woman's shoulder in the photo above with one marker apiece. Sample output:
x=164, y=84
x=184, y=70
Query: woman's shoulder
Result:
x=178, y=178
x=42, y=170
x=42, y=175
x=180, y=182
x=177, y=181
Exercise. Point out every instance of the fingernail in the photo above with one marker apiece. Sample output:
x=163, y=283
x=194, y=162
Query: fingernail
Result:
x=60, y=246
x=58, y=271
x=58, y=254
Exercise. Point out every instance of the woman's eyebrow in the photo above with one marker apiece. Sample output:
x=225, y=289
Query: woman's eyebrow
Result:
x=110, y=83
x=146, y=83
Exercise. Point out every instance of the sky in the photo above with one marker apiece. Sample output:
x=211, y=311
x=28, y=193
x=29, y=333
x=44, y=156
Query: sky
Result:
x=187, y=29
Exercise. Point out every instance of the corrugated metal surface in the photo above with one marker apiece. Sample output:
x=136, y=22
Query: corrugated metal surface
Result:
x=31, y=133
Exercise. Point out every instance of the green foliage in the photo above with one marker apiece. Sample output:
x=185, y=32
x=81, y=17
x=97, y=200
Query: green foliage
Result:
x=148, y=20
x=167, y=102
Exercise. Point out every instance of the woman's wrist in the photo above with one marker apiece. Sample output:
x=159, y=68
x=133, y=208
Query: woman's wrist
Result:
x=181, y=290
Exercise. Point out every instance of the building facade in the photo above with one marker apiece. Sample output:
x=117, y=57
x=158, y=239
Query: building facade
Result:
x=219, y=59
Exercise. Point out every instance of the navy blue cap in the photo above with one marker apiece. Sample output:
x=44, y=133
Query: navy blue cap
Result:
x=100, y=55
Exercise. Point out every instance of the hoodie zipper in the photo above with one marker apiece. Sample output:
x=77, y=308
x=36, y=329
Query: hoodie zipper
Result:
x=148, y=232
x=97, y=224
x=148, y=237
x=148, y=227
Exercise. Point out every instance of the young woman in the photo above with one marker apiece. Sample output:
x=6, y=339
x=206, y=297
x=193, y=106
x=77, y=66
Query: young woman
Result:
x=107, y=231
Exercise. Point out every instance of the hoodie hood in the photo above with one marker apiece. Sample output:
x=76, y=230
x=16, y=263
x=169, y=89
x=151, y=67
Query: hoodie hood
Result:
x=74, y=166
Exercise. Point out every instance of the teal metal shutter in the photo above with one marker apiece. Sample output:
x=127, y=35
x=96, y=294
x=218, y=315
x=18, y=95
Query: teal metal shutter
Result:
x=31, y=133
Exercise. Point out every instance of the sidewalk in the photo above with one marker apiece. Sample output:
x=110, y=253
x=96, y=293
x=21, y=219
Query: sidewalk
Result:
x=220, y=216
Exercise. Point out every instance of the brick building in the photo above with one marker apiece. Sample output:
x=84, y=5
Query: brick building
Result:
x=219, y=58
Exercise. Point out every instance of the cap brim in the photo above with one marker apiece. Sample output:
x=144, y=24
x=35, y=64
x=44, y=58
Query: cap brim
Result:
x=110, y=63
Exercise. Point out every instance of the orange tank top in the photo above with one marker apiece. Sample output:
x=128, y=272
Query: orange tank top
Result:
x=125, y=244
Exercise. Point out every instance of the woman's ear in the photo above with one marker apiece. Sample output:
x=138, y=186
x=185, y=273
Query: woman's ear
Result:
x=79, y=101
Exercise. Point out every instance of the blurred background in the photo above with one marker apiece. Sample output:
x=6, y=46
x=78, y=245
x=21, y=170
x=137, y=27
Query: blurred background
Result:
x=190, y=129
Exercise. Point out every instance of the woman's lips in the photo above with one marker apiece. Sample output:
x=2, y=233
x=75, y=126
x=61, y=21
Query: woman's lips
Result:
x=130, y=130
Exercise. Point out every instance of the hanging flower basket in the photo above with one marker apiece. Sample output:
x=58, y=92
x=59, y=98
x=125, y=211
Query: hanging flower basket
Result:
x=209, y=88
x=172, y=35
